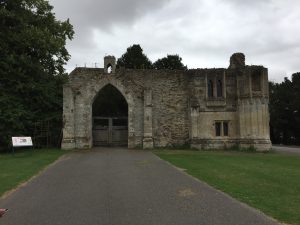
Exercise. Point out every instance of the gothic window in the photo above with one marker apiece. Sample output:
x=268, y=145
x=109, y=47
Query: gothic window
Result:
x=218, y=128
x=256, y=84
x=225, y=128
x=109, y=68
x=222, y=128
x=210, y=89
x=219, y=88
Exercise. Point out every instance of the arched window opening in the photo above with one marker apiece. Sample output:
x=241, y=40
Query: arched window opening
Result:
x=219, y=88
x=218, y=128
x=210, y=89
x=256, y=81
x=109, y=68
x=110, y=118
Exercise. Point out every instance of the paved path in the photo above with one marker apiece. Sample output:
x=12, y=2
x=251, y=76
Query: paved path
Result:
x=286, y=149
x=121, y=187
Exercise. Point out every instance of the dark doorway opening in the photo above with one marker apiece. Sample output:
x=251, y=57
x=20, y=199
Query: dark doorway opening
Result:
x=110, y=118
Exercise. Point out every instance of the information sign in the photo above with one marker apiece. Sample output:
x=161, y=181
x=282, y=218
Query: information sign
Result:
x=21, y=141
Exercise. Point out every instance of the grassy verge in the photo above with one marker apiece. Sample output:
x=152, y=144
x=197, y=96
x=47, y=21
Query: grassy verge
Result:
x=16, y=169
x=269, y=182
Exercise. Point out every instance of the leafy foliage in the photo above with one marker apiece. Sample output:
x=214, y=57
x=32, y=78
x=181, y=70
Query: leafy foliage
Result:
x=32, y=56
x=285, y=111
x=134, y=58
x=171, y=62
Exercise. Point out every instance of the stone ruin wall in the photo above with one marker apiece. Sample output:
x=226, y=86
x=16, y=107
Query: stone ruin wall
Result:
x=172, y=108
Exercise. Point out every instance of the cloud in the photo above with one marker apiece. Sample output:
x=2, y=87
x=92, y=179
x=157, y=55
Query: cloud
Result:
x=104, y=14
x=91, y=15
x=203, y=32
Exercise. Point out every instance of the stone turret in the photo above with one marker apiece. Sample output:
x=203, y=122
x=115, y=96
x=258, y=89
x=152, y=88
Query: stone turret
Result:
x=237, y=60
x=109, y=64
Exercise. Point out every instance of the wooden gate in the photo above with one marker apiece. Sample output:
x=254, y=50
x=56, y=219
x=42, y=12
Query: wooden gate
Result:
x=110, y=131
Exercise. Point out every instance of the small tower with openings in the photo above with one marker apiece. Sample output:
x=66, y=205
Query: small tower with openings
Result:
x=237, y=61
x=109, y=64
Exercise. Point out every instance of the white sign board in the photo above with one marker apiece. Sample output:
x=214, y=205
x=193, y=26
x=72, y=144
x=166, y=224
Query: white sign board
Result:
x=21, y=141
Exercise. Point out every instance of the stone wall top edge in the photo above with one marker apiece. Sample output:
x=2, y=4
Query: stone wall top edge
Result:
x=255, y=66
x=79, y=71
x=84, y=69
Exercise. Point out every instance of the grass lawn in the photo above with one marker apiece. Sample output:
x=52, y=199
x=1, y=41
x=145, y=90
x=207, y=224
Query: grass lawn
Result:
x=269, y=182
x=18, y=168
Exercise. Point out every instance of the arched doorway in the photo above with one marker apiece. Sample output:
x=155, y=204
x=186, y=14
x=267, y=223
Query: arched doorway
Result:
x=110, y=118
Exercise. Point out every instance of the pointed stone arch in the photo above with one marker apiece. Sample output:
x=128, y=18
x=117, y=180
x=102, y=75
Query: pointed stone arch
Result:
x=116, y=84
x=78, y=113
x=128, y=96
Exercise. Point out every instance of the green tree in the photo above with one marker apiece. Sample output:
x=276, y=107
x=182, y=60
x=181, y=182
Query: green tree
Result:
x=32, y=56
x=134, y=58
x=285, y=111
x=171, y=62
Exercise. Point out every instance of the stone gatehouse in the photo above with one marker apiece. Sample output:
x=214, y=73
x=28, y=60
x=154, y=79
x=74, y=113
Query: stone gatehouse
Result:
x=202, y=108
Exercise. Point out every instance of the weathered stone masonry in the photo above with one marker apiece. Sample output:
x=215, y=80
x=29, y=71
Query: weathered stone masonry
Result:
x=204, y=108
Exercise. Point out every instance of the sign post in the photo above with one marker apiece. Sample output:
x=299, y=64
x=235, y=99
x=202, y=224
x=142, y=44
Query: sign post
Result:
x=21, y=142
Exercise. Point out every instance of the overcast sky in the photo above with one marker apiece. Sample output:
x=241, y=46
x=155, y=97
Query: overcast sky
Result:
x=205, y=33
